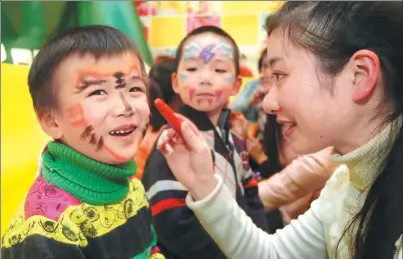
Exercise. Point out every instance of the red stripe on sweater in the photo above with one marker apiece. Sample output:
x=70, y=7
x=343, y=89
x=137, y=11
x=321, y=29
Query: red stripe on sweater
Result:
x=251, y=183
x=155, y=250
x=166, y=205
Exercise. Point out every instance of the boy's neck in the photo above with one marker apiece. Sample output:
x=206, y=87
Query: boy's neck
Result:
x=86, y=179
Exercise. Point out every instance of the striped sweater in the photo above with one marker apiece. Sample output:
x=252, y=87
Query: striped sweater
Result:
x=80, y=208
x=180, y=235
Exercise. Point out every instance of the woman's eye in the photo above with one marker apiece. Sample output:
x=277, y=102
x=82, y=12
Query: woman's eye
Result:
x=98, y=92
x=278, y=76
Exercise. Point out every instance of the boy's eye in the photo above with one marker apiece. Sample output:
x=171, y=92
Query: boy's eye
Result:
x=220, y=71
x=191, y=69
x=136, y=89
x=97, y=92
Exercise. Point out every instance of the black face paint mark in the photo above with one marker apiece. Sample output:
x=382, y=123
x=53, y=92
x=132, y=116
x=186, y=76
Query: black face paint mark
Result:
x=120, y=81
x=125, y=103
x=93, y=140
x=93, y=137
x=100, y=143
x=86, y=132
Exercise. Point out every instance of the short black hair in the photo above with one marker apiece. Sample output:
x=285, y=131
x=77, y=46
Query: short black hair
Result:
x=213, y=29
x=96, y=40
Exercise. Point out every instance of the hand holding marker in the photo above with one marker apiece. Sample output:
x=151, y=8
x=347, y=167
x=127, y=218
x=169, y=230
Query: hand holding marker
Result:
x=169, y=115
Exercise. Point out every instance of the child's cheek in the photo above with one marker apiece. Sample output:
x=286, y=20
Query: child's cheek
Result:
x=79, y=116
x=76, y=117
x=95, y=113
x=142, y=110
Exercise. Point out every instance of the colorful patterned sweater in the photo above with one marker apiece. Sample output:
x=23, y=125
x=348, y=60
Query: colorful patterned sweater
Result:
x=180, y=235
x=80, y=208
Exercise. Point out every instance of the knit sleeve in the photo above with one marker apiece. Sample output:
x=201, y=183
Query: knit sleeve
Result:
x=303, y=176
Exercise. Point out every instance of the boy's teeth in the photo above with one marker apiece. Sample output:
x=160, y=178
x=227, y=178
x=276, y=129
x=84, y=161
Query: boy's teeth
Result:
x=121, y=132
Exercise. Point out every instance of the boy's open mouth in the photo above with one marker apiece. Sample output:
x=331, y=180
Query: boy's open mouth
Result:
x=123, y=131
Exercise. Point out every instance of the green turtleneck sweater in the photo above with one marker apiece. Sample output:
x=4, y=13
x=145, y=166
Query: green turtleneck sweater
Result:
x=88, y=180
x=81, y=208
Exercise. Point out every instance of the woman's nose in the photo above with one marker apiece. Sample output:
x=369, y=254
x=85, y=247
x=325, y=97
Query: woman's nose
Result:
x=270, y=101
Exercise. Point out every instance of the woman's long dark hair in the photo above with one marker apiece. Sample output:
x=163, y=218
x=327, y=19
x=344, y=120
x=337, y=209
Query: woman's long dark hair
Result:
x=333, y=32
x=272, y=144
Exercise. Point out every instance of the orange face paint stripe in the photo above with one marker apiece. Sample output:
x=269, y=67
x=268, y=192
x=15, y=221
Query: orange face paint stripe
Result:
x=76, y=115
x=115, y=155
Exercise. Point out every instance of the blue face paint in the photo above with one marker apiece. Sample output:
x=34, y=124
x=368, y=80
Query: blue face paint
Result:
x=192, y=47
x=188, y=56
x=182, y=76
x=224, y=47
x=227, y=56
x=206, y=55
x=230, y=79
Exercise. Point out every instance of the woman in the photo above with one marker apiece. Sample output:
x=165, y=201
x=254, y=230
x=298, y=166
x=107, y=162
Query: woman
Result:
x=338, y=82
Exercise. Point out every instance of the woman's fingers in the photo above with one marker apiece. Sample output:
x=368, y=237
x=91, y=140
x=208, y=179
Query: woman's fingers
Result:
x=192, y=137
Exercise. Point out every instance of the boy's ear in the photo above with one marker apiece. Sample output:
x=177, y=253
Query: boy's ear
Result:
x=49, y=124
x=237, y=86
x=174, y=81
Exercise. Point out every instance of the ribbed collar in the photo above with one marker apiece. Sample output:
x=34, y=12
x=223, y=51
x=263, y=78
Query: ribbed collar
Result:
x=88, y=180
x=365, y=162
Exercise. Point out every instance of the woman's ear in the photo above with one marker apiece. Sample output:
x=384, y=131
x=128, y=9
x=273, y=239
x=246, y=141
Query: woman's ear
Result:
x=366, y=67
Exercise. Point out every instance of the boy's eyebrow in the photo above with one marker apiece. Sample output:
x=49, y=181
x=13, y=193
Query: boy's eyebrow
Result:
x=85, y=83
x=137, y=78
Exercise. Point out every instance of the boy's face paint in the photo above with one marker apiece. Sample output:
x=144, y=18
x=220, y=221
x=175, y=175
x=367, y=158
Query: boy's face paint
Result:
x=103, y=106
x=207, y=75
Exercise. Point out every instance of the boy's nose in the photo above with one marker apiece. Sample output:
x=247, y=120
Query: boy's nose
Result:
x=123, y=107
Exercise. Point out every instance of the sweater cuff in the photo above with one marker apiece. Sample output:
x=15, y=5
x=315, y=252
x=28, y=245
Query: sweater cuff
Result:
x=212, y=205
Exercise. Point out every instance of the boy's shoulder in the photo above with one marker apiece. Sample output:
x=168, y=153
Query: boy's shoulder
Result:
x=50, y=212
x=40, y=213
x=47, y=200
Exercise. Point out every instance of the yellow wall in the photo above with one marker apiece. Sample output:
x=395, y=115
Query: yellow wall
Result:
x=242, y=20
x=21, y=140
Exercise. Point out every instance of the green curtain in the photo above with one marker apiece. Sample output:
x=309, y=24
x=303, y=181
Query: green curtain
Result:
x=8, y=34
x=117, y=14
x=32, y=32
x=26, y=27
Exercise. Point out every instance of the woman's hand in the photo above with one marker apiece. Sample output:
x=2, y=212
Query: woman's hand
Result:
x=189, y=159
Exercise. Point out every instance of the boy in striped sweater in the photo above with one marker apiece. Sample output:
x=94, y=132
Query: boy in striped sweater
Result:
x=89, y=93
x=207, y=75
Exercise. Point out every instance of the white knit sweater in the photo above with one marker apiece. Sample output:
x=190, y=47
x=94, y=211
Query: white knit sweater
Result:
x=314, y=234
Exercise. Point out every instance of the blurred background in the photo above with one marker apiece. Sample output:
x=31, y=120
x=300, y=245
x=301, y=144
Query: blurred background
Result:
x=157, y=27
